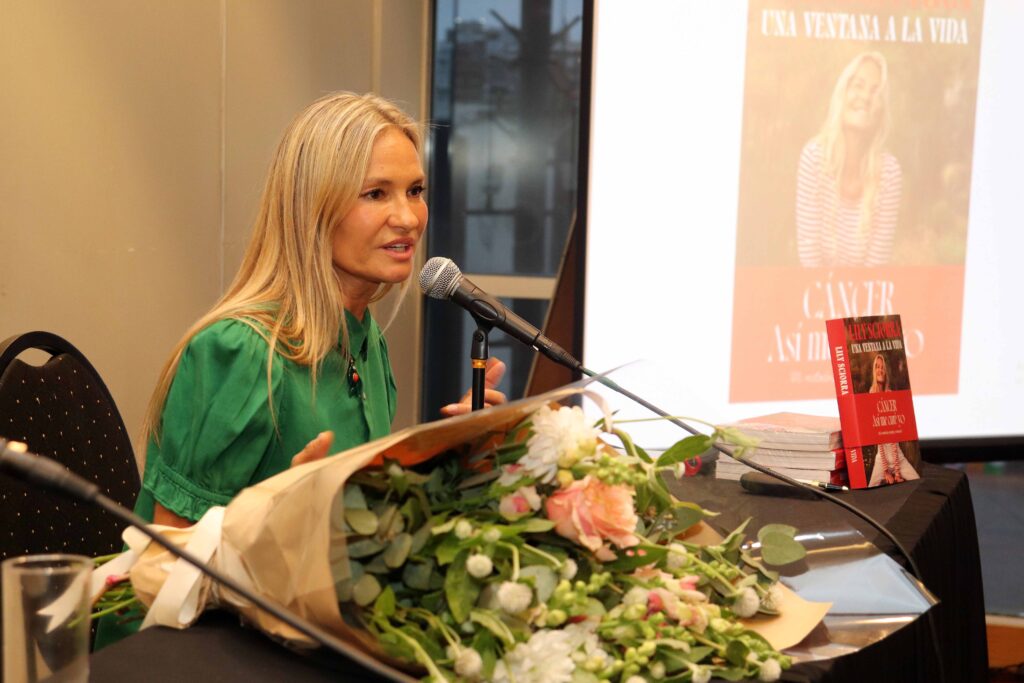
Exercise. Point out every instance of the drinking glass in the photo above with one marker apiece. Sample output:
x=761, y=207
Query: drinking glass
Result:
x=46, y=609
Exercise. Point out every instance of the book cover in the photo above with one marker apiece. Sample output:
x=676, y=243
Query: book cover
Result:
x=876, y=406
x=825, y=231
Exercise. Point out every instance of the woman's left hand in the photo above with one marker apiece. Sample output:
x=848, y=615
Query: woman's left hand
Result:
x=317, y=449
x=492, y=397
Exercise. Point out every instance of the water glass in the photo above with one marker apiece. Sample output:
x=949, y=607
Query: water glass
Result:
x=46, y=607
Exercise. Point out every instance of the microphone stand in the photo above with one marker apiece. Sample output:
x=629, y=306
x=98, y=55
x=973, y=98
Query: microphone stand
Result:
x=49, y=474
x=479, y=351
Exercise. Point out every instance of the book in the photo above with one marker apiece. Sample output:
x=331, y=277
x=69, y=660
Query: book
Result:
x=731, y=469
x=777, y=457
x=876, y=407
x=792, y=431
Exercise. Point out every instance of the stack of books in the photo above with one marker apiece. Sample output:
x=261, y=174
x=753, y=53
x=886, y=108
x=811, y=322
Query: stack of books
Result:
x=806, y=447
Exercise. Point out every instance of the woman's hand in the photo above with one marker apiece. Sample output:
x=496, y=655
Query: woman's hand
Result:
x=317, y=449
x=492, y=397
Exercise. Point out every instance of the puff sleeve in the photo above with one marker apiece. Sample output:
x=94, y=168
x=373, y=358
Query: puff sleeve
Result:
x=217, y=429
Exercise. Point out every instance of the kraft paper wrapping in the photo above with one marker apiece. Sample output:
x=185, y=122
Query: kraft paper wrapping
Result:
x=277, y=535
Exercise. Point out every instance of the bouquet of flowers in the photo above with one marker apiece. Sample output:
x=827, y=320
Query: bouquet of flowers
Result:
x=550, y=556
x=516, y=544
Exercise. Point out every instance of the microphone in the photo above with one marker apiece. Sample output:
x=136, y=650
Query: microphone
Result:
x=440, y=278
x=38, y=470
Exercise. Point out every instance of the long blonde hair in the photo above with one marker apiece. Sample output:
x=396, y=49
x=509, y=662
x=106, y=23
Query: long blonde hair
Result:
x=287, y=288
x=833, y=144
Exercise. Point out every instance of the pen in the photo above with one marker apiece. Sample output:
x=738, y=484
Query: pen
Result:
x=825, y=486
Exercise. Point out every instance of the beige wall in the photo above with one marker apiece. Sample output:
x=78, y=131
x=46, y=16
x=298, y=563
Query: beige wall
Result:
x=134, y=136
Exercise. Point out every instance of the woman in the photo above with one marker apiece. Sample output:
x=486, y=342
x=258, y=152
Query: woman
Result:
x=290, y=362
x=891, y=465
x=848, y=186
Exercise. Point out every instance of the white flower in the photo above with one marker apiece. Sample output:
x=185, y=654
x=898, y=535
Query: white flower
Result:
x=479, y=565
x=701, y=675
x=747, y=604
x=545, y=658
x=657, y=670
x=514, y=597
x=463, y=529
x=492, y=535
x=636, y=679
x=561, y=435
x=469, y=663
x=676, y=558
x=637, y=595
x=773, y=598
x=770, y=671
x=511, y=474
x=569, y=569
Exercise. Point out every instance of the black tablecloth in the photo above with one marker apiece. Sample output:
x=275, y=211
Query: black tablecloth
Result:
x=933, y=518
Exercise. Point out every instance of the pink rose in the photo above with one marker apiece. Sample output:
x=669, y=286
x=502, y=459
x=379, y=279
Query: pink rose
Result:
x=592, y=513
x=519, y=504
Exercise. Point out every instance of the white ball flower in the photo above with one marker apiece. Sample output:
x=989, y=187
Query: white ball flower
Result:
x=657, y=670
x=701, y=675
x=514, y=597
x=676, y=558
x=770, y=671
x=636, y=679
x=479, y=565
x=492, y=535
x=463, y=529
x=773, y=598
x=746, y=604
x=637, y=595
x=569, y=569
x=469, y=663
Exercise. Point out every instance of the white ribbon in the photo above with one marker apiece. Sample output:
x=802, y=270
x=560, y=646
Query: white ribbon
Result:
x=177, y=603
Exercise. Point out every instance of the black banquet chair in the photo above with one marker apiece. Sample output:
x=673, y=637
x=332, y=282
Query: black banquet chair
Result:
x=63, y=410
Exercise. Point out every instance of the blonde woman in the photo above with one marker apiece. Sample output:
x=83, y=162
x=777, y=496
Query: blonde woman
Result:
x=848, y=185
x=290, y=362
x=891, y=465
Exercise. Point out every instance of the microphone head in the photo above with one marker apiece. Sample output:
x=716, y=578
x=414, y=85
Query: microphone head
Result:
x=439, y=277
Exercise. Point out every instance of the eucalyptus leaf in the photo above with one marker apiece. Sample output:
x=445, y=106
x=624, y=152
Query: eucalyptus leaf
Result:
x=396, y=554
x=354, y=498
x=363, y=522
x=365, y=590
x=365, y=547
x=784, y=529
x=544, y=580
x=344, y=590
x=778, y=548
x=733, y=673
x=386, y=514
x=377, y=565
x=416, y=575
x=420, y=538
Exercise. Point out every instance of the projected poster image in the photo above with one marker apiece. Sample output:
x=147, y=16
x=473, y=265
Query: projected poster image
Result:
x=854, y=189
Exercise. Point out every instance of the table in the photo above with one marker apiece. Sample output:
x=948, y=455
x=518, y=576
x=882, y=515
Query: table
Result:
x=933, y=517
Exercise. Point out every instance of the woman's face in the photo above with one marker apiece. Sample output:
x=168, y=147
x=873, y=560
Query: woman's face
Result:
x=879, y=371
x=861, y=107
x=375, y=242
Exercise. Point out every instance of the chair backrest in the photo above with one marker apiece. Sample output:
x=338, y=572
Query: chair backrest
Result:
x=63, y=410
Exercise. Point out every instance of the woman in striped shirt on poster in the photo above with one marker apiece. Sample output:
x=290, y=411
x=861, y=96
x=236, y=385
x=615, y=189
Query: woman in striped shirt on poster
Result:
x=848, y=186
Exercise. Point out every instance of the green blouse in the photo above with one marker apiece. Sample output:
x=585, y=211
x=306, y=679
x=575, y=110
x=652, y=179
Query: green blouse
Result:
x=217, y=432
